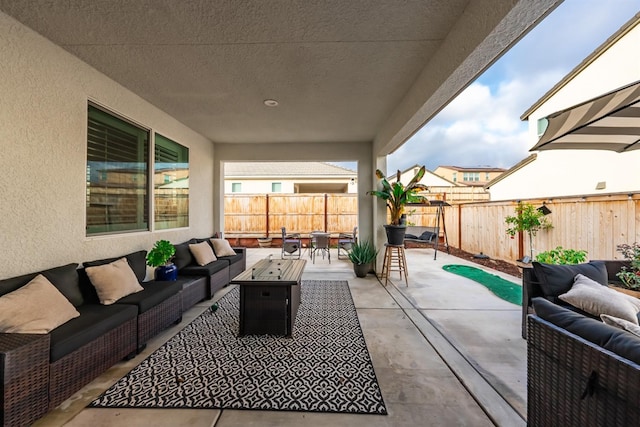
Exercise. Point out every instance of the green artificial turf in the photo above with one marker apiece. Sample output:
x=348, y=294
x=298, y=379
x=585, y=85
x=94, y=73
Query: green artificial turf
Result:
x=502, y=288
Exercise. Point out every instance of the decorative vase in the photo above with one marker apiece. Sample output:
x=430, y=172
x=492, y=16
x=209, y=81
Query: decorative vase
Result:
x=166, y=273
x=361, y=270
x=264, y=242
x=395, y=234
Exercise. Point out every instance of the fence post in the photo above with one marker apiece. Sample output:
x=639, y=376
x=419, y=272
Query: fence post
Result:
x=326, y=221
x=267, y=213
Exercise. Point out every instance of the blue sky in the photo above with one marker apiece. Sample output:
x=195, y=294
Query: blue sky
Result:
x=482, y=126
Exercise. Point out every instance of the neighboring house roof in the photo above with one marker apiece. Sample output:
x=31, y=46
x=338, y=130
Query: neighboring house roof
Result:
x=285, y=169
x=392, y=177
x=628, y=26
x=473, y=169
x=514, y=168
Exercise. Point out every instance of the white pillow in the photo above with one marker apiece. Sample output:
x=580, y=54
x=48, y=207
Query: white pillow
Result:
x=596, y=299
x=113, y=281
x=222, y=247
x=621, y=323
x=202, y=252
x=36, y=308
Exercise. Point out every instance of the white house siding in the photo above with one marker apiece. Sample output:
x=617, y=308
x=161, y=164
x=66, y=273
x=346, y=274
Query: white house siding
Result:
x=43, y=127
x=576, y=172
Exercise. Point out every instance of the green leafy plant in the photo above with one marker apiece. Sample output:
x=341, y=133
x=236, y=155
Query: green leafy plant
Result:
x=397, y=195
x=562, y=256
x=630, y=276
x=161, y=253
x=363, y=252
x=527, y=219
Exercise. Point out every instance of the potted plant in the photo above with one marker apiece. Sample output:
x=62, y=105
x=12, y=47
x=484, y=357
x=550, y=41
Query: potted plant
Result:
x=396, y=195
x=529, y=219
x=264, y=242
x=160, y=257
x=363, y=255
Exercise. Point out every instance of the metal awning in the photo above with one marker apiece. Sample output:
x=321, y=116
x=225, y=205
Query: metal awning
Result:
x=608, y=122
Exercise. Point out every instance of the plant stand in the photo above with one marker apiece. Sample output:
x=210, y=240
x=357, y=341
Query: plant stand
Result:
x=394, y=260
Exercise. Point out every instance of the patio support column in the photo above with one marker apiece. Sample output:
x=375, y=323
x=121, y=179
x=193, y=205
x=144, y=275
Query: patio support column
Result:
x=379, y=209
x=218, y=195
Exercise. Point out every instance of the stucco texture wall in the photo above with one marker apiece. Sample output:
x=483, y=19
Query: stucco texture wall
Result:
x=43, y=125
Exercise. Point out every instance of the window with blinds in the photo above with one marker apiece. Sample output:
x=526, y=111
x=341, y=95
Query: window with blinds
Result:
x=117, y=174
x=170, y=184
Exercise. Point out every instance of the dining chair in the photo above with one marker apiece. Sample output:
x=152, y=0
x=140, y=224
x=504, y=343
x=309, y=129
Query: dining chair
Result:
x=321, y=244
x=291, y=244
x=345, y=240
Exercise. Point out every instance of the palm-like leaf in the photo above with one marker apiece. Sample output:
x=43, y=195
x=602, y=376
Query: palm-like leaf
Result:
x=397, y=195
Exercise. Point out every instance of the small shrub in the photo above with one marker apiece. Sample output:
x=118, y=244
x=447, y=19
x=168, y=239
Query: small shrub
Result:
x=630, y=276
x=562, y=256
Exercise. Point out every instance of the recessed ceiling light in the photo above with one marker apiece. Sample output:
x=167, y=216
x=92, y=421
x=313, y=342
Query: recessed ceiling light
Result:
x=270, y=102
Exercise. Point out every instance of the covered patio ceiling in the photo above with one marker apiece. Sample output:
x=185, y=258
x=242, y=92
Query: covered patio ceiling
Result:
x=341, y=71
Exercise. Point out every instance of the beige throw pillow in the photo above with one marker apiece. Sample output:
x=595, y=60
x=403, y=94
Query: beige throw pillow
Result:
x=621, y=323
x=36, y=308
x=202, y=252
x=113, y=281
x=222, y=247
x=597, y=299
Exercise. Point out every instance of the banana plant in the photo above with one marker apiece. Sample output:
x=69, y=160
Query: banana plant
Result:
x=397, y=195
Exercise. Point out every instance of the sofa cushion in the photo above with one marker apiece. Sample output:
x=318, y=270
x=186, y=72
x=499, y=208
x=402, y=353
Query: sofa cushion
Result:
x=621, y=323
x=65, y=278
x=95, y=320
x=202, y=253
x=236, y=257
x=596, y=299
x=153, y=294
x=205, y=270
x=113, y=281
x=137, y=261
x=222, y=247
x=183, y=256
x=613, y=339
x=558, y=279
x=36, y=308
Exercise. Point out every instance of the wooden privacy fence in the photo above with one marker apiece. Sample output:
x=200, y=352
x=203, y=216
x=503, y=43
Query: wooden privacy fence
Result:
x=596, y=224
x=256, y=215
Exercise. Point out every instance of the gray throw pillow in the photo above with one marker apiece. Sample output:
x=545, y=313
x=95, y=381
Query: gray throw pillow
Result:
x=596, y=299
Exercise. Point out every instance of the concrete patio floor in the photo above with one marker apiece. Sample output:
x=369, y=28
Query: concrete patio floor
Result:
x=446, y=351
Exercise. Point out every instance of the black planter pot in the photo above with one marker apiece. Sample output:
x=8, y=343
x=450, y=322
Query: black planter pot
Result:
x=395, y=234
x=361, y=270
x=166, y=273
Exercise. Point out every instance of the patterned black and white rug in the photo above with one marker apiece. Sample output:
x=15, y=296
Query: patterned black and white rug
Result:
x=325, y=367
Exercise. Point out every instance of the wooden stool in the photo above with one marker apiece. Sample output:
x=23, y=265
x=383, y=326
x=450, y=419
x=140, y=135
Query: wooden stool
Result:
x=394, y=260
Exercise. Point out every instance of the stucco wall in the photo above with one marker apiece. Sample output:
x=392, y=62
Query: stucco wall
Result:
x=43, y=125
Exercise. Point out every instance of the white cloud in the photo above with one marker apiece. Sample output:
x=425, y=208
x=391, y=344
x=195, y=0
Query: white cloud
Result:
x=482, y=125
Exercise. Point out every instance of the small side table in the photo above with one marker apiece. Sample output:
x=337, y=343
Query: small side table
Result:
x=394, y=260
x=24, y=388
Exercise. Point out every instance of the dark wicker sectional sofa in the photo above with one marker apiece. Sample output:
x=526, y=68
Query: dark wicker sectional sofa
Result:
x=38, y=372
x=581, y=371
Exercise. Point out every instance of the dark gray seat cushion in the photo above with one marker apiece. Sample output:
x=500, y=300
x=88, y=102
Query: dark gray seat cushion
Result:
x=616, y=340
x=153, y=294
x=231, y=259
x=95, y=320
x=205, y=270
